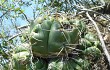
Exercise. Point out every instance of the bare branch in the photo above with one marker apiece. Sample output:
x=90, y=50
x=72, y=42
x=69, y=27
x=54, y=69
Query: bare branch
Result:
x=83, y=10
x=22, y=27
x=5, y=13
x=14, y=36
x=26, y=17
x=97, y=13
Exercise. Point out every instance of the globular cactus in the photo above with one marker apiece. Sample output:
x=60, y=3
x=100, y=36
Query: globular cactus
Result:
x=53, y=37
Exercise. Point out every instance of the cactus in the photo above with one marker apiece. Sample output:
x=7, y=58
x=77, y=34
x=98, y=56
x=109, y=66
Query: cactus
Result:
x=68, y=64
x=51, y=37
x=20, y=57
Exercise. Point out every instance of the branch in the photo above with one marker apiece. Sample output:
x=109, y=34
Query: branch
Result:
x=14, y=36
x=96, y=13
x=22, y=27
x=100, y=37
x=83, y=10
x=26, y=17
x=5, y=13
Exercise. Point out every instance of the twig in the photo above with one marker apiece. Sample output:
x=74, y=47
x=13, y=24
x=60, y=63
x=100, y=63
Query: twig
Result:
x=100, y=37
x=26, y=17
x=83, y=10
x=96, y=13
x=14, y=36
x=4, y=13
x=22, y=27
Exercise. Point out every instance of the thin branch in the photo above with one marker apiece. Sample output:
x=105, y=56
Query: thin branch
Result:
x=14, y=36
x=100, y=37
x=52, y=2
x=26, y=17
x=83, y=10
x=13, y=10
x=22, y=27
x=4, y=13
x=97, y=13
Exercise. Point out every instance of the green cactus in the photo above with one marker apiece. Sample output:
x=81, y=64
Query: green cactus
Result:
x=68, y=64
x=51, y=37
x=92, y=52
x=20, y=57
x=38, y=64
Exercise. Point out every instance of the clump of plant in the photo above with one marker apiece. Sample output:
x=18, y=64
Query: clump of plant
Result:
x=58, y=43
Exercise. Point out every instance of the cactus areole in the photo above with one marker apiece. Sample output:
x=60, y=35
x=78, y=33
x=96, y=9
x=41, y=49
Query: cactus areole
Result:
x=52, y=37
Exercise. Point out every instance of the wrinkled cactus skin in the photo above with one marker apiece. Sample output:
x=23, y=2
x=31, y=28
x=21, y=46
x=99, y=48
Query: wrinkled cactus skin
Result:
x=49, y=38
x=68, y=64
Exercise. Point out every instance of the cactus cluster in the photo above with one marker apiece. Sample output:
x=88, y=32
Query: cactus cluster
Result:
x=53, y=42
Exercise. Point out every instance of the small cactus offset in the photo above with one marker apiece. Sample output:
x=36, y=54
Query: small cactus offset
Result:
x=20, y=57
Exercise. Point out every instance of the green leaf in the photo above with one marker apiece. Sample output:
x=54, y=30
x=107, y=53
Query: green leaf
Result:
x=2, y=1
x=11, y=41
x=12, y=6
x=41, y=1
x=21, y=11
x=17, y=9
x=5, y=43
